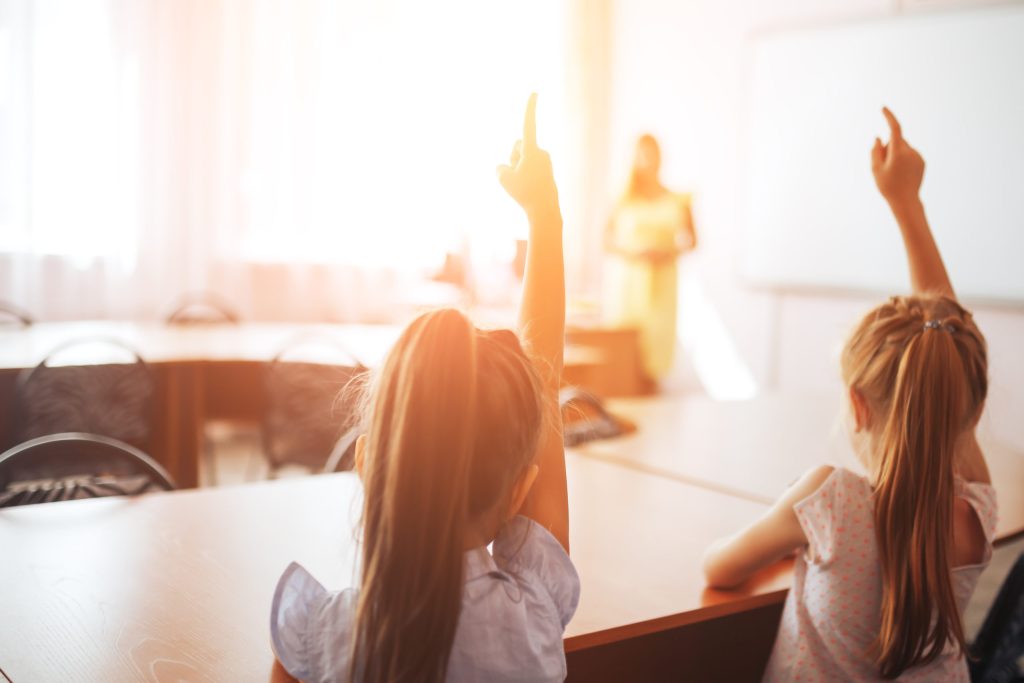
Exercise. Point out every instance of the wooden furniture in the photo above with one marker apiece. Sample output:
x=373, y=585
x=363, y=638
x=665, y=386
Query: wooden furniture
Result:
x=755, y=449
x=624, y=375
x=177, y=586
x=204, y=372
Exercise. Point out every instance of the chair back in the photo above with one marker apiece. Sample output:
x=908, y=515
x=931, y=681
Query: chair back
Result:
x=202, y=308
x=110, y=395
x=311, y=389
x=13, y=316
x=76, y=465
x=584, y=418
x=997, y=651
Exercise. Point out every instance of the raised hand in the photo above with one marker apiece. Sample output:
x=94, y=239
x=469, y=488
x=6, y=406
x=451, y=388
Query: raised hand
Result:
x=899, y=170
x=897, y=167
x=528, y=177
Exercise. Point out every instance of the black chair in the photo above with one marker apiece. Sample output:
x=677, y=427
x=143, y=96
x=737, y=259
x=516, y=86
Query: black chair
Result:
x=113, y=399
x=13, y=316
x=76, y=465
x=999, y=646
x=311, y=405
x=202, y=308
x=584, y=418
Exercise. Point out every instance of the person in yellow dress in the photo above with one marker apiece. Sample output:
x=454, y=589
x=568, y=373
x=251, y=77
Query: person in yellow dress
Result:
x=650, y=228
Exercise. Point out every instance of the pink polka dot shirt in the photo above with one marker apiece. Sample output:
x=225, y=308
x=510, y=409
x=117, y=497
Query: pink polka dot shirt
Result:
x=831, y=616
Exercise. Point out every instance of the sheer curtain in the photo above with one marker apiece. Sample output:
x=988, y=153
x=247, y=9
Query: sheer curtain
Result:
x=310, y=160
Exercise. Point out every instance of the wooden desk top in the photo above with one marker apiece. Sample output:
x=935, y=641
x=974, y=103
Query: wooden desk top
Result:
x=756, y=448
x=177, y=586
x=159, y=343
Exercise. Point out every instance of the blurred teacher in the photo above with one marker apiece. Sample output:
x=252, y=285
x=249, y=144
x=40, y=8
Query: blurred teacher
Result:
x=650, y=228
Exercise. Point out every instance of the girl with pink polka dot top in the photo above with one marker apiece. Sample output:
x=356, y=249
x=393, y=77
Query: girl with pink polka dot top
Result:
x=886, y=563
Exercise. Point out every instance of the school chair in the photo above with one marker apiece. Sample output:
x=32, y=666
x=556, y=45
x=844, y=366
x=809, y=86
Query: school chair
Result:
x=584, y=418
x=312, y=391
x=76, y=465
x=97, y=385
x=202, y=308
x=13, y=316
x=999, y=646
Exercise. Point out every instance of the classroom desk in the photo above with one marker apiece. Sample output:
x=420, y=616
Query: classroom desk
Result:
x=207, y=372
x=177, y=586
x=755, y=449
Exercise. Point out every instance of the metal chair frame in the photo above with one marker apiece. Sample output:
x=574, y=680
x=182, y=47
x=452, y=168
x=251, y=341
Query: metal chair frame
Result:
x=53, y=464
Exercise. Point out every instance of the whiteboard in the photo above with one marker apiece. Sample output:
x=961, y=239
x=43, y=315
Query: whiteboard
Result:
x=813, y=218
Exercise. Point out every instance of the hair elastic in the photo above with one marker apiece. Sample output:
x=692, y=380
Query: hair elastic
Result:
x=938, y=325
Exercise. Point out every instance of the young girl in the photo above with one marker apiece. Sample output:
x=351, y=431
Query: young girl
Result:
x=889, y=561
x=463, y=448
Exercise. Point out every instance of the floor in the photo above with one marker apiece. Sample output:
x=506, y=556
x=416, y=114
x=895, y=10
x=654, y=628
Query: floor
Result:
x=237, y=459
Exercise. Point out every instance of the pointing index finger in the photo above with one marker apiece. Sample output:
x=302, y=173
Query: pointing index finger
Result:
x=894, y=126
x=530, y=123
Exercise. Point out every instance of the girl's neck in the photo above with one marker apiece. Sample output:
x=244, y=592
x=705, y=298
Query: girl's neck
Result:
x=968, y=461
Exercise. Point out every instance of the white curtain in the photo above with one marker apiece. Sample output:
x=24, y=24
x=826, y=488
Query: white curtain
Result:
x=307, y=160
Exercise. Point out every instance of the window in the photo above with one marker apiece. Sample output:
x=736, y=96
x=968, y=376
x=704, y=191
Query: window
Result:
x=346, y=132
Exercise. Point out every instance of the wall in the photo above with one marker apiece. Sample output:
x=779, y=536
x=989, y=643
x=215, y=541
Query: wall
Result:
x=678, y=70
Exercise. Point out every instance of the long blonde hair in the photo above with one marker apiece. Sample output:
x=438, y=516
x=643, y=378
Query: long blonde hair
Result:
x=453, y=420
x=921, y=365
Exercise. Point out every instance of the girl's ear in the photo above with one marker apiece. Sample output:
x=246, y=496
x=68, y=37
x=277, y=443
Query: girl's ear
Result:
x=360, y=454
x=521, y=489
x=861, y=410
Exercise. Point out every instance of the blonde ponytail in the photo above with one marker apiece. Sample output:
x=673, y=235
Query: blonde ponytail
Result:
x=421, y=438
x=453, y=419
x=920, y=362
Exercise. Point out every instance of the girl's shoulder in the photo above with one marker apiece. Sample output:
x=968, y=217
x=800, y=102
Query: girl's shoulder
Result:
x=975, y=519
x=310, y=626
x=531, y=556
x=839, y=506
x=827, y=482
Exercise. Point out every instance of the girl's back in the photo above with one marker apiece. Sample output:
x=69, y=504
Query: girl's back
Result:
x=832, y=614
x=515, y=606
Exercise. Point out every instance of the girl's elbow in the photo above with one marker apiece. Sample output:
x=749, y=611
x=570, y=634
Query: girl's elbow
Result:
x=717, y=571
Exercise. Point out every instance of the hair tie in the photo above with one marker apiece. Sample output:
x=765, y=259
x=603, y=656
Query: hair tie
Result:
x=938, y=325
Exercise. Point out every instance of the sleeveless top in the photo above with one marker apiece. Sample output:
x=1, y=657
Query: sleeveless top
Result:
x=831, y=616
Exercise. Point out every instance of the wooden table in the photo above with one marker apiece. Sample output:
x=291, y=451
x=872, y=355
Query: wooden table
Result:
x=755, y=449
x=177, y=586
x=208, y=372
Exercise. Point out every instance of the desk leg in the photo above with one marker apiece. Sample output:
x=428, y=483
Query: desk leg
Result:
x=178, y=421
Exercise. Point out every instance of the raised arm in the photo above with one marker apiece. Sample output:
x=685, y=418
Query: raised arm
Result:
x=530, y=181
x=898, y=171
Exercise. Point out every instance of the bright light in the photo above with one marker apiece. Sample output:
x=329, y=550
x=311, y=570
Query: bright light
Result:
x=717, y=362
x=385, y=155
x=354, y=132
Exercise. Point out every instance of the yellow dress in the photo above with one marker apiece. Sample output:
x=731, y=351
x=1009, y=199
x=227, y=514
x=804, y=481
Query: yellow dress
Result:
x=639, y=293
